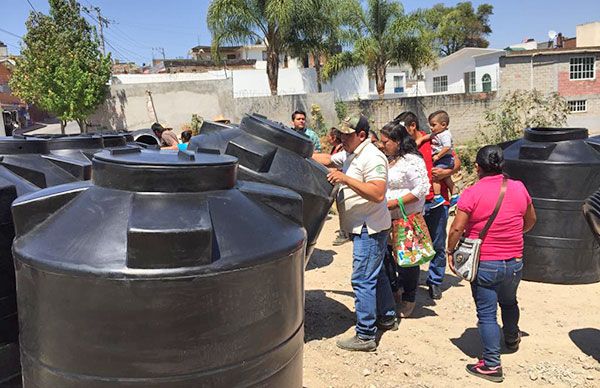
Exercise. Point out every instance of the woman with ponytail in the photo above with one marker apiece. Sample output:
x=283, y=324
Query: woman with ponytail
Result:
x=501, y=254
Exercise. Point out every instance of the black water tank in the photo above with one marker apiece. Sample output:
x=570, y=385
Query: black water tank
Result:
x=560, y=168
x=164, y=271
x=273, y=153
x=591, y=210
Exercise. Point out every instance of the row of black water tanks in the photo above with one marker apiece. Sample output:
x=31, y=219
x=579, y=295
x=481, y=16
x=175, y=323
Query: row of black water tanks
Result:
x=166, y=270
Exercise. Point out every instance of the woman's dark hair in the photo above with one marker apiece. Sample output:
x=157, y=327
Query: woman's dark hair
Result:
x=156, y=127
x=374, y=134
x=407, y=118
x=490, y=159
x=398, y=133
x=186, y=136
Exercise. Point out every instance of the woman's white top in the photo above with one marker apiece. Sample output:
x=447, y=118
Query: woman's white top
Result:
x=408, y=175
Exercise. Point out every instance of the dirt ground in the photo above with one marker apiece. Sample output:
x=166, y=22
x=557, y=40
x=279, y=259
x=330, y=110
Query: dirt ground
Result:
x=560, y=347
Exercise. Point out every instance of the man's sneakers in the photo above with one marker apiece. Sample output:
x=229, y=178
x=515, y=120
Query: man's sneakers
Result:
x=341, y=238
x=390, y=323
x=486, y=372
x=435, y=292
x=437, y=201
x=454, y=199
x=357, y=344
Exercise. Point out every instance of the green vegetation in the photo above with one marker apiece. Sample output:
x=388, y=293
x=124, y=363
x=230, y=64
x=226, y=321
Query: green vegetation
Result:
x=62, y=69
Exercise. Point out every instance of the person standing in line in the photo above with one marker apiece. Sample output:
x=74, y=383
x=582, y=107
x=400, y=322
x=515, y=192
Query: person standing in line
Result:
x=364, y=215
x=501, y=254
x=407, y=181
x=334, y=137
x=436, y=217
x=299, y=125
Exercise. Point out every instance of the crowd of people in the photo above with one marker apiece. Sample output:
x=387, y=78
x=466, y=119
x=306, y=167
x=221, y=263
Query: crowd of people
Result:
x=407, y=171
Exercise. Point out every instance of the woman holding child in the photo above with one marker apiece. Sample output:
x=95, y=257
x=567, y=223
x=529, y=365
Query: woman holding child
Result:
x=408, y=182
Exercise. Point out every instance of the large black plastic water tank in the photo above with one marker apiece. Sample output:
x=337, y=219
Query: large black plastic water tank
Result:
x=163, y=271
x=271, y=152
x=26, y=165
x=560, y=168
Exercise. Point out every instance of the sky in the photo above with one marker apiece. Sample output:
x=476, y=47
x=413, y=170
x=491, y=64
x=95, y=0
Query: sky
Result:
x=140, y=29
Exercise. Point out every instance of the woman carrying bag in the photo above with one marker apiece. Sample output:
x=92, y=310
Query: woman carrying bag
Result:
x=408, y=184
x=498, y=274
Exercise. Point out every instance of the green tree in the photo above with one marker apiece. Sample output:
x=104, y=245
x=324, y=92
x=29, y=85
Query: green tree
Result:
x=61, y=68
x=383, y=35
x=319, y=33
x=246, y=21
x=459, y=26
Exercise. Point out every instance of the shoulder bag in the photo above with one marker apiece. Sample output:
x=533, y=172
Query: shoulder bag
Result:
x=466, y=254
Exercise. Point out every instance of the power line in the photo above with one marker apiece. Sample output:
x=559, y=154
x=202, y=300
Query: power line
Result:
x=11, y=33
x=31, y=5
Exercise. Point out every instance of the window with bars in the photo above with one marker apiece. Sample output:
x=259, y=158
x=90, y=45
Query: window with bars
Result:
x=470, y=82
x=440, y=84
x=577, y=105
x=582, y=68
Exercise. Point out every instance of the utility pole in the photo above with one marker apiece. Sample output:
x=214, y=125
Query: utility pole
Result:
x=160, y=50
x=102, y=22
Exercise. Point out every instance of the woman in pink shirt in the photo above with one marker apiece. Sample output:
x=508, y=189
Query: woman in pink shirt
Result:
x=501, y=257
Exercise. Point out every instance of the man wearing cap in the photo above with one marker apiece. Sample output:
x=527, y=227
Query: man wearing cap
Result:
x=364, y=215
x=299, y=125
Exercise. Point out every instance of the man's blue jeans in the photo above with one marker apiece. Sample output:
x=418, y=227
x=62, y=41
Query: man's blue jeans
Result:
x=497, y=283
x=372, y=292
x=436, y=219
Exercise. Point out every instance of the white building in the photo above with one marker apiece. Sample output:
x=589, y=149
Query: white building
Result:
x=469, y=70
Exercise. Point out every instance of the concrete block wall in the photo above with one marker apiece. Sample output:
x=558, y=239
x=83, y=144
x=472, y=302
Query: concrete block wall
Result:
x=466, y=111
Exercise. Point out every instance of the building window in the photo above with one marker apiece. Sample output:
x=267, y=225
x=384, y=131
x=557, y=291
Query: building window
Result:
x=470, y=82
x=440, y=84
x=231, y=56
x=577, y=106
x=398, y=88
x=582, y=68
x=486, y=83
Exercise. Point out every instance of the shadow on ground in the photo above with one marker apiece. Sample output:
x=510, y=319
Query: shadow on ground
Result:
x=588, y=340
x=320, y=258
x=470, y=343
x=325, y=317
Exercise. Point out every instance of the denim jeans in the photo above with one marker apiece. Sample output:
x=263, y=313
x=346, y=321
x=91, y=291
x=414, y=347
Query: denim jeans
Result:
x=437, y=219
x=406, y=278
x=372, y=293
x=497, y=283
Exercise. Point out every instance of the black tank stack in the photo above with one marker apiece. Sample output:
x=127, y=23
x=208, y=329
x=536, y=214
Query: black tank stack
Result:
x=163, y=271
x=28, y=164
x=591, y=210
x=560, y=168
x=271, y=152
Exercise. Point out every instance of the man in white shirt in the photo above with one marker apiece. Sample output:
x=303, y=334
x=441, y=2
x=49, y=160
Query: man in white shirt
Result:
x=364, y=215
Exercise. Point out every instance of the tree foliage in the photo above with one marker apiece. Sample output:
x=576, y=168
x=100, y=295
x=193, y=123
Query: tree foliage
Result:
x=61, y=68
x=516, y=111
x=383, y=35
x=319, y=33
x=459, y=26
x=248, y=21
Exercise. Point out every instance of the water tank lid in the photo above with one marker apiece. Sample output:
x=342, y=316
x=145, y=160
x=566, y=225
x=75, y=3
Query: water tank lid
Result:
x=555, y=134
x=132, y=168
x=20, y=145
x=75, y=142
x=278, y=134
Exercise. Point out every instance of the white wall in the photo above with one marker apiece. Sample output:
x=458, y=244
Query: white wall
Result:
x=455, y=70
x=491, y=66
x=255, y=83
x=127, y=79
x=389, y=79
x=350, y=84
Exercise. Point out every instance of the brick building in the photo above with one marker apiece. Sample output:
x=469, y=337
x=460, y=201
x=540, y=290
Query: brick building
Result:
x=572, y=72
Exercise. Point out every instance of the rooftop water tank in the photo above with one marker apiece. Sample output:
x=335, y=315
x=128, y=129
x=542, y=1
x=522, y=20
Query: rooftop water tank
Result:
x=560, y=168
x=163, y=271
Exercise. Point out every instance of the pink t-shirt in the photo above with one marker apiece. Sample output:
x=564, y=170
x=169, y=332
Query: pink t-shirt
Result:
x=504, y=239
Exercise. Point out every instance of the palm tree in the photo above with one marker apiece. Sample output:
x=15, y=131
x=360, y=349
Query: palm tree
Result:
x=319, y=33
x=384, y=35
x=246, y=21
